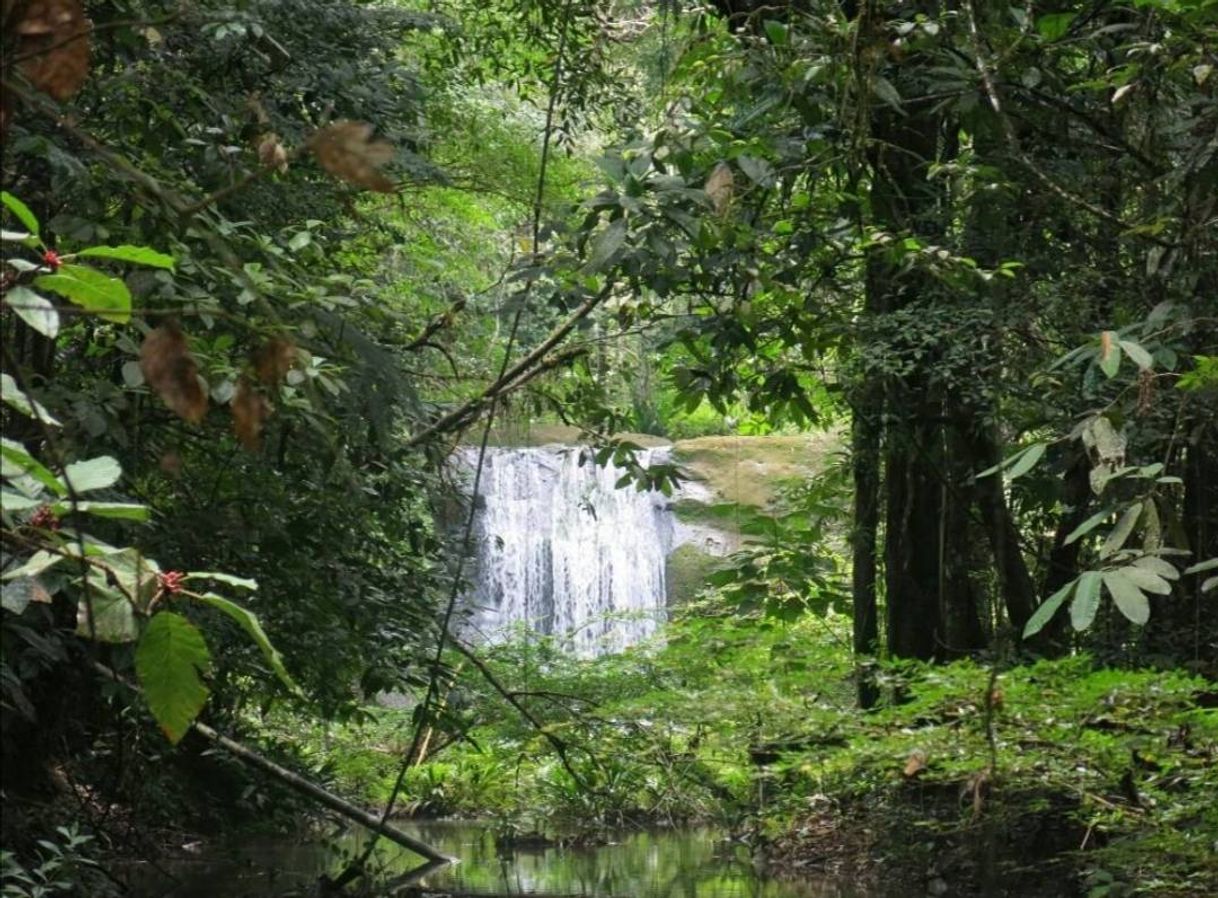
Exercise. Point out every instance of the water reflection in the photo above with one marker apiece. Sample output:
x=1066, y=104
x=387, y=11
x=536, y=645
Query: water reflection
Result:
x=688, y=863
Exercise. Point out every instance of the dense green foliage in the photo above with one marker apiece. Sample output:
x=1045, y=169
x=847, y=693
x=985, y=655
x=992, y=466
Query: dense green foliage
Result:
x=267, y=264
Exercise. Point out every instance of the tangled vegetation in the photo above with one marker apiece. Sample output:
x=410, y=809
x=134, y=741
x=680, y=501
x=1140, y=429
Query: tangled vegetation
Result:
x=268, y=264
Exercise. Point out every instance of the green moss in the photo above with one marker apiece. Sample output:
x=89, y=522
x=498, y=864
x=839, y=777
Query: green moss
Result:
x=686, y=573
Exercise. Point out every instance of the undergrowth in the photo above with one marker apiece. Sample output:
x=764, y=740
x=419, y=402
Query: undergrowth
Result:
x=750, y=723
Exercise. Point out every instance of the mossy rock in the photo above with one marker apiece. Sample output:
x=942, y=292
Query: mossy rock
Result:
x=686, y=573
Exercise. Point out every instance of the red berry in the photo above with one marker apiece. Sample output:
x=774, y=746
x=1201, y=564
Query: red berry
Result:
x=51, y=258
x=45, y=517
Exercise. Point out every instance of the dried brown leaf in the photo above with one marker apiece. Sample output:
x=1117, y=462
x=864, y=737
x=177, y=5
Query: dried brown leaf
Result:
x=271, y=152
x=274, y=359
x=719, y=187
x=250, y=410
x=53, y=46
x=170, y=370
x=915, y=764
x=347, y=150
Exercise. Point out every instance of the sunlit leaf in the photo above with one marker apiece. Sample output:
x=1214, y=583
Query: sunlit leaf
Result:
x=13, y=395
x=1046, y=610
x=36, y=311
x=92, y=290
x=1129, y=598
x=139, y=255
x=93, y=474
x=1086, y=600
x=250, y=623
x=170, y=659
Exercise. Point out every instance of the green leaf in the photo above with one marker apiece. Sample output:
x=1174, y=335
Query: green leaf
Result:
x=1055, y=25
x=606, y=243
x=1129, y=599
x=11, y=501
x=1145, y=580
x=22, y=211
x=1207, y=565
x=1140, y=356
x=140, y=255
x=1120, y=533
x=883, y=88
x=37, y=563
x=1028, y=460
x=17, y=461
x=36, y=311
x=776, y=32
x=1046, y=610
x=132, y=573
x=249, y=622
x=13, y=395
x=1086, y=600
x=94, y=474
x=239, y=582
x=1110, y=354
x=93, y=291
x=16, y=595
x=1088, y=525
x=1158, y=566
x=170, y=660
x=124, y=511
x=113, y=614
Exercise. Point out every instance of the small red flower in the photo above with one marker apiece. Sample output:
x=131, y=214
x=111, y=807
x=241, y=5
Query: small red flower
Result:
x=45, y=517
x=171, y=581
x=52, y=260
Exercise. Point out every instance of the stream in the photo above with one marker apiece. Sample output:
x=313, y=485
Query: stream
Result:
x=670, y=863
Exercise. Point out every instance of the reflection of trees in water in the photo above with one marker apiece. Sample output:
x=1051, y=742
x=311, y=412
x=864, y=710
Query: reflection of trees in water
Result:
x=672, y=864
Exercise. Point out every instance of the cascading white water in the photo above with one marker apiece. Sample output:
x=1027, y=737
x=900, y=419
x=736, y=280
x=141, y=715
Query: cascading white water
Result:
x=563, y=552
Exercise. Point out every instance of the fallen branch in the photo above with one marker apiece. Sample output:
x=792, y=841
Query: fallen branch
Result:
x=302, y=785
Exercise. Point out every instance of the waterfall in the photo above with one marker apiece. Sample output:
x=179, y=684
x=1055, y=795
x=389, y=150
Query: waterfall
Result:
x=565, y=553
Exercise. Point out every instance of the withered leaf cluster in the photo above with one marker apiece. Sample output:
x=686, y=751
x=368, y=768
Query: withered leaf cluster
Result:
x=271, y=152
x=250, y=411
x=348, y=151
x=52, y=44
x=170, y=370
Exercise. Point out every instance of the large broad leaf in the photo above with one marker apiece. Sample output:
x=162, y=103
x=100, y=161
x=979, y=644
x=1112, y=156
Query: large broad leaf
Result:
x=1046, y=610
x=1120, y=533
x=16, y=461
x=105, y=296
x=133, y=574
x=11, y=501
x=1138, y=353
x=1147, y=581
x=169, y=660
x=16, y=595
x=36, y=311
x=1086, y=600
x=94, y=474
x=249, y=622
x=1164, y=569
x=1088, y=525
x=606, y=243
x=113, y=615
x=1131, y=601
x=37, y=563
x=1027, y=461
x=16, y=397
x=140, y=255
x=123, y=511
x=21, y=210
x=228, y=579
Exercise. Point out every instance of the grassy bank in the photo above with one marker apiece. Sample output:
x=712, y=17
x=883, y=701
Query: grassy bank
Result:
x=1100, y=779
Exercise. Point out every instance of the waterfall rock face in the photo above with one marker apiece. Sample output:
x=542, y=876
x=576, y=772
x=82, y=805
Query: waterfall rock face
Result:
x=565, y=553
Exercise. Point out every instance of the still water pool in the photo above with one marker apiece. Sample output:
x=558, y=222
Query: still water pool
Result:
x=681, y=863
